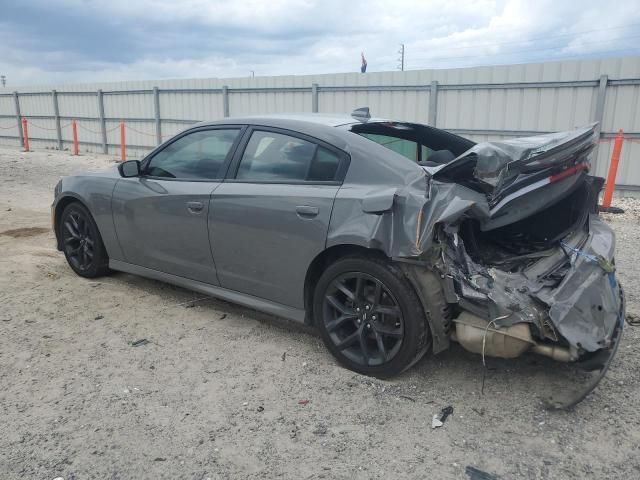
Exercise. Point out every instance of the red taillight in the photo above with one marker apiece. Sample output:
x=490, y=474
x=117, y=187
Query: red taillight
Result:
x=568, y=172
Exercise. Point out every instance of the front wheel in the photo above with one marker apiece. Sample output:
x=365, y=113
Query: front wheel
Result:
x=370, y=317
x=81, y=242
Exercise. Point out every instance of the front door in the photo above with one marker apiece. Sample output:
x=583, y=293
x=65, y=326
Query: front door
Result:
x=270, y=220
x=161, y=217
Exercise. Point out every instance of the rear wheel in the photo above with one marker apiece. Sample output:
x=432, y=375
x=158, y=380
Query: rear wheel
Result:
x=370, y=317
x=82, y=243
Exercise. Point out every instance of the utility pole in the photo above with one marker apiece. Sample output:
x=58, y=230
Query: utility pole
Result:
x=3, y=80
x=401, y=59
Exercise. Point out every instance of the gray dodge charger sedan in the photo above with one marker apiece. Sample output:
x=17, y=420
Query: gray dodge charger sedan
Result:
x=392, y=238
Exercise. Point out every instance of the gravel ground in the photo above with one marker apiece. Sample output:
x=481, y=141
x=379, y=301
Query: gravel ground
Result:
x=224, y=392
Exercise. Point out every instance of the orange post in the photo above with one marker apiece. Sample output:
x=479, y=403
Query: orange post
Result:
x=25, y=134
x=74, y=129
x=613, y=170
x=123, y=147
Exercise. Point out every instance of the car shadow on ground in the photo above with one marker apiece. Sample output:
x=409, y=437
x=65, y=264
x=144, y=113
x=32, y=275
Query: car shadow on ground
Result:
x=537, y=378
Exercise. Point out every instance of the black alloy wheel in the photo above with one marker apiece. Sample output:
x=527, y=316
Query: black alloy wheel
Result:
x=363, y=319
x=370, y=317
x=81, y=242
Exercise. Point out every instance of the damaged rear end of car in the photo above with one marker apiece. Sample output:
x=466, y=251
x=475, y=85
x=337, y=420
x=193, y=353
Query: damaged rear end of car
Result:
x=525, y=263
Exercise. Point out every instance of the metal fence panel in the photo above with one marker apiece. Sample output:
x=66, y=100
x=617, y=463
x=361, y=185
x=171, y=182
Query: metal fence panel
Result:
x=482, y=103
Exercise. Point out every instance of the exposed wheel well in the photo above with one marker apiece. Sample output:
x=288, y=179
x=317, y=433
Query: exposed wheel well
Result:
x=321, y=262
x=60, y=206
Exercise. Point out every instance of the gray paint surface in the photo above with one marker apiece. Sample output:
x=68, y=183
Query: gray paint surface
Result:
x=158, y=228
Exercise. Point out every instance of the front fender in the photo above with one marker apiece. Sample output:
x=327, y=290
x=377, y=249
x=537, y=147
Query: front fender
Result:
x=95, y=193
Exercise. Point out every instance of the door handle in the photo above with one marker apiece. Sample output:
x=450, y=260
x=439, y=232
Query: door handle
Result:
x=195, y=207
x=307, y=211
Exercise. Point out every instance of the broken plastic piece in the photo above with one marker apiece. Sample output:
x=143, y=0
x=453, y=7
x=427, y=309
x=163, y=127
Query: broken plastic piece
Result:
x=439, y=418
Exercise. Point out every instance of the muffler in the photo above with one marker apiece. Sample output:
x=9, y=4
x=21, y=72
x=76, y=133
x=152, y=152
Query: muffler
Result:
x=477, y=336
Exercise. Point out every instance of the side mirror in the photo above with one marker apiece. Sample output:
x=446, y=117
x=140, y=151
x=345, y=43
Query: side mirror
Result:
x=130, y=168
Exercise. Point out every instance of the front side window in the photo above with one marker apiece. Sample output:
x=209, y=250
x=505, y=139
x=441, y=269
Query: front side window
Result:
x=198, y=155
x=276, y=157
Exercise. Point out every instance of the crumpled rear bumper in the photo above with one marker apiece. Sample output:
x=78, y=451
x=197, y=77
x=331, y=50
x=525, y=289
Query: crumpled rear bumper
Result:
x=587, y=305
x=581, y=314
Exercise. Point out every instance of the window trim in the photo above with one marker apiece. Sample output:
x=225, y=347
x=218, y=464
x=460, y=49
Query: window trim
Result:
x=225, y=166
x=341, y=171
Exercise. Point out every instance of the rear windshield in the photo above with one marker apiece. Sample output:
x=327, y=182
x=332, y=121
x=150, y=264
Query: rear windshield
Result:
x=414, y=141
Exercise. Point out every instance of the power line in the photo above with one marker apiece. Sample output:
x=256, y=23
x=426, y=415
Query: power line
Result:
x=490, y=61
x=515, y=52
x=546, y=37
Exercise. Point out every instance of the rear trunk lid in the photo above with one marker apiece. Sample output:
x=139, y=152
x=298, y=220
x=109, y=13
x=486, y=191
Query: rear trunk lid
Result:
x=522, y=176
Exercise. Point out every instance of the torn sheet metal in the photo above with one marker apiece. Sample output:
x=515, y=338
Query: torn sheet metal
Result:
x=498, y=164
x=583, y=308
x=401, y=221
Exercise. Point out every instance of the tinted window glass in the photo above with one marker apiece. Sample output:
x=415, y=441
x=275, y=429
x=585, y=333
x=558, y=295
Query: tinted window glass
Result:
x=277, y=157
x=406, y=148
x=199, y=155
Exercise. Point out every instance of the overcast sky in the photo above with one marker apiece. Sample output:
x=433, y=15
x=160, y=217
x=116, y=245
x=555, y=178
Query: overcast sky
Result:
x=65, y=41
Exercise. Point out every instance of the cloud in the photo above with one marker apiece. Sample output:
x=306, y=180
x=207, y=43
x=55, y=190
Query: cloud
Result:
x=87, y=40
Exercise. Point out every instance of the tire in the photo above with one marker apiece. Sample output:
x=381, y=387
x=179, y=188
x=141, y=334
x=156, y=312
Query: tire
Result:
x=379, y=328
x=82, y=243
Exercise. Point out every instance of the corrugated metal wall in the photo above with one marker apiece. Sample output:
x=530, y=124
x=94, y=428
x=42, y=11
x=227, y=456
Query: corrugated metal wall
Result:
x=482, y=103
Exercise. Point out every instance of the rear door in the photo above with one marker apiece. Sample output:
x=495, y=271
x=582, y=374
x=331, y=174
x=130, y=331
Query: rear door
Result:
x=270, y=218
x=161, y=217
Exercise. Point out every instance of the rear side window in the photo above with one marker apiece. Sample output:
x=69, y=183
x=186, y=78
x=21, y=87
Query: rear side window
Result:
x=406, y=148
x=271, y=156
x=198, y=155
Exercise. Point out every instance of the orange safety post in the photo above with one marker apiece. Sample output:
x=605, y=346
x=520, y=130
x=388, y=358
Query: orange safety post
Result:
x=74, y=129
x=25, y=134
x=123, y=147
x=613, y=170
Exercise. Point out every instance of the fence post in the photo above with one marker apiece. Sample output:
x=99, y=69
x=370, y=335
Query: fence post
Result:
x=433, y=104
x=25, y=131
x=156, y=111
x=103, y=125
x=225, y=101
x=598, y=115
x=56, y=113
x=123, y=147
x=613, y=170
x=18, y=117
x=314, y=97
x=74, y=129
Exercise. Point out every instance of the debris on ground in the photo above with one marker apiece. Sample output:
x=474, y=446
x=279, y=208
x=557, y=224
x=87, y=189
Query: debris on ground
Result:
x=159, y=459
x=139, y=343
x=304, y=402
x=190, y=303
x=407, y=397
x=284, y=356
x=222, y=317
x=439, y=418
x=98, y=317
x=260, y=408
x=633, y=319
x=476, y=474
x=320, y=430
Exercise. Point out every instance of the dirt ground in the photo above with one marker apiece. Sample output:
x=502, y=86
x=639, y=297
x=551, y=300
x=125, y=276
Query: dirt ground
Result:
x=224, y=392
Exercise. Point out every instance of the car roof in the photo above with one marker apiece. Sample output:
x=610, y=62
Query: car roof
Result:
x=326, y=119
x=318, y=125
